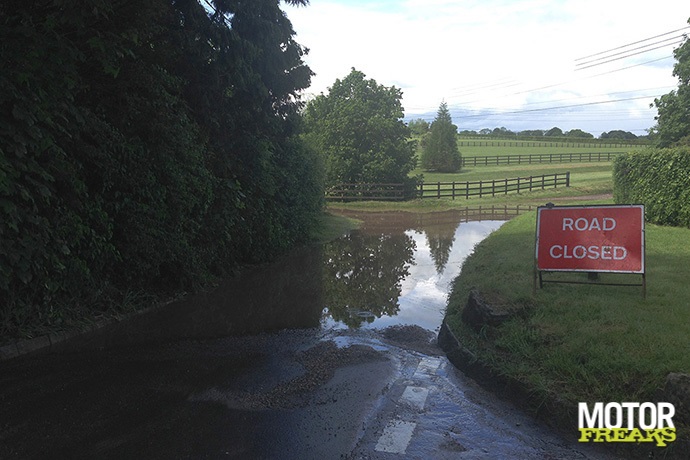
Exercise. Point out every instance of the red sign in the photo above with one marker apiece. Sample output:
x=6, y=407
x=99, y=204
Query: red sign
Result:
x=590, y=238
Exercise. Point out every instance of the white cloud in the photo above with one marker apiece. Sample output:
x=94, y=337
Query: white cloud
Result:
x=494, y=55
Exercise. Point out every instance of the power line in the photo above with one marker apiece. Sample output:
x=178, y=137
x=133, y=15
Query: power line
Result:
x=543, y=109
x=633, y=43
x=608, y=56
x=629, y=55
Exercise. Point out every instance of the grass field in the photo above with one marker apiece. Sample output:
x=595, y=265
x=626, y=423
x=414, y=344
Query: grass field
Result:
x=587, y=179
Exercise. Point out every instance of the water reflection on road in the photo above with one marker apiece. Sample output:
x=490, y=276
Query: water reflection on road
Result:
x=397, y=268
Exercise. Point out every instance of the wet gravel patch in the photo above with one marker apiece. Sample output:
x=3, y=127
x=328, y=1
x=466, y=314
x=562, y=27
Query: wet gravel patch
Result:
x=414, y=338
x=317, y=365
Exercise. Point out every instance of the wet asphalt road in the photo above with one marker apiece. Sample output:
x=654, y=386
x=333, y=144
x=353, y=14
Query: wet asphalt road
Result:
x=295, y=394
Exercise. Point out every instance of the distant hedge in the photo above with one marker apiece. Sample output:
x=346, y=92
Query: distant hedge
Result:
x=657, y=178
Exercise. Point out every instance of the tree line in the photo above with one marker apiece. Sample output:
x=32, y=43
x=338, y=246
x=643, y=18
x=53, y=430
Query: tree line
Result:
x=420, y=127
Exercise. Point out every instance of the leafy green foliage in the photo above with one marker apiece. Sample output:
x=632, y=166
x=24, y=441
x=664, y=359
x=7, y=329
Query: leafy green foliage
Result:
x=145, y=146
x=418, y=127
x=440, y=147
x=673, y=117
x=618, y=134
x=659, y=179
x=358, y=129
x=579, y=134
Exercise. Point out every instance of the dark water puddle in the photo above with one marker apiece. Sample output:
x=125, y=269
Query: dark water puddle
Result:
x=394, y=270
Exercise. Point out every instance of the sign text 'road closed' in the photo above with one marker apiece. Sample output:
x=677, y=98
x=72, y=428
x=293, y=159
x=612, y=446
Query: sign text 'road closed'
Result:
x=590, y=238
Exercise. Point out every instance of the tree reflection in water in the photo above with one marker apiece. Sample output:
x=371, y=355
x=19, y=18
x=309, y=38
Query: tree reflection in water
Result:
x=440, y=240
x=363, y=275
x=369, y=275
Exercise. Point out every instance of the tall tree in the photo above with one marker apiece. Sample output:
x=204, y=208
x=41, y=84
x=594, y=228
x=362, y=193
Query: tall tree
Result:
x=359, y=130
x=673, y=109
x=440, y=146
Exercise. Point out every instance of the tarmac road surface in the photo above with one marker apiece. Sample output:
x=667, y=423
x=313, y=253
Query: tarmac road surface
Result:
x=295, y=394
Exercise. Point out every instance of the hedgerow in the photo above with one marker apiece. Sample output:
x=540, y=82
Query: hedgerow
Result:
x=145, y=146
x=657, y=178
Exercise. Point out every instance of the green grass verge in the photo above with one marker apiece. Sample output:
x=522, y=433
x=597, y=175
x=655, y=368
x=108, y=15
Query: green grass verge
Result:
x=580, y=342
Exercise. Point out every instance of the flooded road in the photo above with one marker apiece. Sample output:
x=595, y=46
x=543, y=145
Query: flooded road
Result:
x=397, y=268
x=327, y=353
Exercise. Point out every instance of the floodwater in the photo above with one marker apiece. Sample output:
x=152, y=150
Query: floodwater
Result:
x=397, y=269
x=293, y=359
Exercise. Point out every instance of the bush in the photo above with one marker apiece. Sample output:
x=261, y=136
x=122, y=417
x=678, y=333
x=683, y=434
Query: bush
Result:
x=657, y=178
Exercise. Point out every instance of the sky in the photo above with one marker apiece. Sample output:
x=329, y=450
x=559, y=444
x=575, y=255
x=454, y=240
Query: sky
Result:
x=594, y=65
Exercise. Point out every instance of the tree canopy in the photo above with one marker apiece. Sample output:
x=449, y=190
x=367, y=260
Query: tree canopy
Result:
x=554, y=132
x=418, y=126
x=618, y=134
x=673, y=116
x=440, y=145
x=579, y=134
x=358, y=129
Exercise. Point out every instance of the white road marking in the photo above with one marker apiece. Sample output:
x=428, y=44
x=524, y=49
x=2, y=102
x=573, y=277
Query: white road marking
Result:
x=427, y=366
x=415, y=396
x=396, y=437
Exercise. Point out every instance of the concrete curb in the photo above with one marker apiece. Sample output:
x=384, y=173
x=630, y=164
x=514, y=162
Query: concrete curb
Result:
x=42, y=343
x=46, y=343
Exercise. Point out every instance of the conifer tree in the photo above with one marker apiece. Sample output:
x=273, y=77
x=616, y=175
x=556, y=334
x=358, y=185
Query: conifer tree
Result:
x=440, y=145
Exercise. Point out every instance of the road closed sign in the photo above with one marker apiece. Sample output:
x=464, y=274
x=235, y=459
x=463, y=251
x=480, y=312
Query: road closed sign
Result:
x=590, y=238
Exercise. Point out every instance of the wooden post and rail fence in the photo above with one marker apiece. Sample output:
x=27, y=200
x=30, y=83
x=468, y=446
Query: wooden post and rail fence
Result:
x=453, y=190
x=536, y=158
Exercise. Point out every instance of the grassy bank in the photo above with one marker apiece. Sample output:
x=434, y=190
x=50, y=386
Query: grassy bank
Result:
x=580, y=342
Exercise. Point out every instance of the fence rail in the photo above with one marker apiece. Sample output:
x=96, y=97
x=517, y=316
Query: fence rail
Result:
x=492, y=187
x=397, y=192
x=535, y=158
x=546, y=144
x=493, y=212
x=362, y=192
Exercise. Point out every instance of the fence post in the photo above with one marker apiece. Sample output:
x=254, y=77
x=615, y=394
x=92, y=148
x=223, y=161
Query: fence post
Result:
x=567, y=179
x=453, y=189
x=506, y=186
x=439, y=190
x=493, y=187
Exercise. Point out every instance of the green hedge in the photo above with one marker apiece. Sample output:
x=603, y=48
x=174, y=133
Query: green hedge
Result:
x=657, y=178
x=145, y=146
